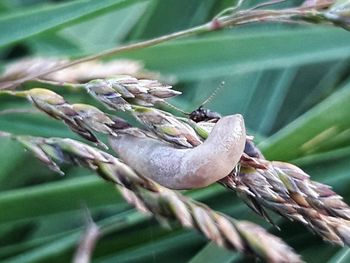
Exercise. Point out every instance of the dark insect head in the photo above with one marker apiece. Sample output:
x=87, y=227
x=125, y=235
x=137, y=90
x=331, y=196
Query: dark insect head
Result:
x=202, y=114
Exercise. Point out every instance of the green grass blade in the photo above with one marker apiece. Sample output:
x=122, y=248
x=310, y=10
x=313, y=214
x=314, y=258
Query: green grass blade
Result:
x=213, y=253
x=309, y=131
x=20, y=25
x=56, y=197
x=220, y=55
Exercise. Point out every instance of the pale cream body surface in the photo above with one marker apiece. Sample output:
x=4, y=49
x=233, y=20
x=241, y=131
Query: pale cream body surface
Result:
x=186, y=168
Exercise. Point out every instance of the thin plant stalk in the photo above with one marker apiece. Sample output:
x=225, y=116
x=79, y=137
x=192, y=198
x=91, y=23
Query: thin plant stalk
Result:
x=238, y=18
x=150, y=197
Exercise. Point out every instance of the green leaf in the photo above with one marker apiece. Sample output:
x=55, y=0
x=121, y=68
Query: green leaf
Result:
x=179, y=14
x=176, y=247
x=307, y=133
x=274, y=101
x=342, y=256
x=221, y=54
x=212, y=253
x=56, y=197
x=106, y=34
x=56, y=250
x=9, y=157
x=23, y=24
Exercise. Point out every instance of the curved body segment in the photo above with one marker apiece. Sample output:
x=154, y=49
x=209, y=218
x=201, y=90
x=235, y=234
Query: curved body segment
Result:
x=186, y=168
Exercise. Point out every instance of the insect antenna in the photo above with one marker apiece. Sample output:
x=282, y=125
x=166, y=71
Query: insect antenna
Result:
x=201, y=114
x=215, y=92
x=176, y=108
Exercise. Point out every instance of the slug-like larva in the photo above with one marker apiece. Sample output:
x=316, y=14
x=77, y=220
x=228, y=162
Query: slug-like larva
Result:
x=186, y=168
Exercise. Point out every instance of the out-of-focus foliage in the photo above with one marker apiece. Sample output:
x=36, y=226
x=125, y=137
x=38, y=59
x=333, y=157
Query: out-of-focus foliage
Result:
x=291, y=83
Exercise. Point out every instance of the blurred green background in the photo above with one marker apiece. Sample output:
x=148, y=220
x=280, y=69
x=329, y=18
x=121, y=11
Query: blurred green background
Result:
x=291, y=83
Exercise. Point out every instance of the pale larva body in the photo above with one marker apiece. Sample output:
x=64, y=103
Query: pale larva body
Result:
x=186, y=168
